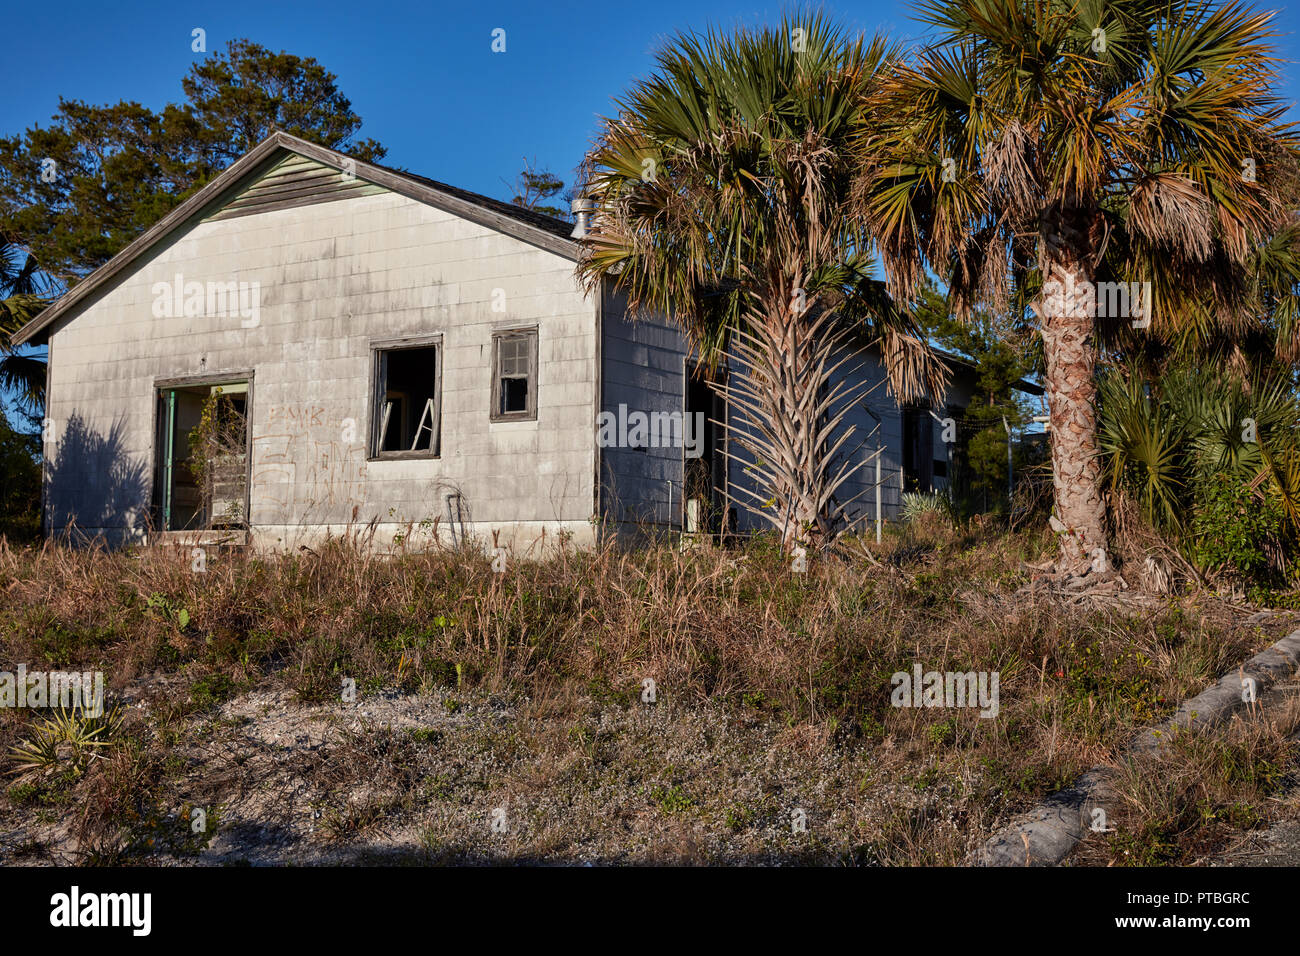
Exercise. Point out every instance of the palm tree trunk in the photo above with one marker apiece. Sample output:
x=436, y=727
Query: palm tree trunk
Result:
x=1068, y=324
x=790, y=402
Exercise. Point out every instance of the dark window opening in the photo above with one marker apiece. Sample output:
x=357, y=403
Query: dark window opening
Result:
x=514, y=381
x=705, y=465
x=514, y=395
x=408, y=412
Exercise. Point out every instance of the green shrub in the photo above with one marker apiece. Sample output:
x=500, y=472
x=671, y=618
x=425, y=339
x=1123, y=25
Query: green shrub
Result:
x=920, y=506
x=1235, y=528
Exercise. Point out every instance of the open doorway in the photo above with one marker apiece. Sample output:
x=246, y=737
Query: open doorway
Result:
x=202, y=455
x=918, y=448
x=704, y=498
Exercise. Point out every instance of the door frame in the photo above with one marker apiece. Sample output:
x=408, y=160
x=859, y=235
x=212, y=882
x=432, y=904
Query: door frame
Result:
x=162, y=492
x=718, y=505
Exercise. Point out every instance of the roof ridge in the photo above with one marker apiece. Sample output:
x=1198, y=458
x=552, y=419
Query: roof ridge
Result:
x=561, y=227
x=527, y=225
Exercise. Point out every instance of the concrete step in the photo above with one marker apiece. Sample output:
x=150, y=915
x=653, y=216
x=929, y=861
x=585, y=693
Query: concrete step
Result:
x=209, y=538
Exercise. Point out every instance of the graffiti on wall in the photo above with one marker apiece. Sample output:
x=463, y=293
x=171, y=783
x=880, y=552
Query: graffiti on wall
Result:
x=307, y=462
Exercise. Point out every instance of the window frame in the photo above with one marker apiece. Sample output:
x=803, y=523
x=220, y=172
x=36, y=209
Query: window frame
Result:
x=530, y=335
x=378, y=391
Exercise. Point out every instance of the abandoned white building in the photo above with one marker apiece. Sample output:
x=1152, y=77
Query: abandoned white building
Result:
x=385, y=349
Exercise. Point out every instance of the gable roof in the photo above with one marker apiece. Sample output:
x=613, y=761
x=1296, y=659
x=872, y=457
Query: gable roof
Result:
x=527, y=225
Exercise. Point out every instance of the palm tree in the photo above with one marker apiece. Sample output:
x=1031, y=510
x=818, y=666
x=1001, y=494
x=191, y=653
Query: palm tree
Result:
x=1036, y=148
x=23, y=295
x=1259, y=341
x=1171, y=443
x=721, y=193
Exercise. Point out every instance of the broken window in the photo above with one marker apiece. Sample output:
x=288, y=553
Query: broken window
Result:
x=408, y=412
x=514, y=381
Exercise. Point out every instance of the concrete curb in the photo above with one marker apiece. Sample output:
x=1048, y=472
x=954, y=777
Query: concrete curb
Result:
x=1047, y=834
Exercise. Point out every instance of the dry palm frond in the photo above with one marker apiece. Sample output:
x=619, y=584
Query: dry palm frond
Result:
x=1172, y=211
x=1009, y=172
x=794, y=437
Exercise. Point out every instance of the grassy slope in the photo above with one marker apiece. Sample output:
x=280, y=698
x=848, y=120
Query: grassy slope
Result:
x=524, y=691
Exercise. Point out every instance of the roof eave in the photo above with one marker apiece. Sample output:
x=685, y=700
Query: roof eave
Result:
x=36, y=331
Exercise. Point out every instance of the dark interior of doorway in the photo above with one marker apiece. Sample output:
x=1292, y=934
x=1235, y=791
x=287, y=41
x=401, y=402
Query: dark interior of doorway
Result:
x=706, y=475
x=202, y=473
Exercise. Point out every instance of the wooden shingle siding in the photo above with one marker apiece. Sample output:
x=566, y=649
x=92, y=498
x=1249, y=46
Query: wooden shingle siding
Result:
x=294, y=181
x=336, y=280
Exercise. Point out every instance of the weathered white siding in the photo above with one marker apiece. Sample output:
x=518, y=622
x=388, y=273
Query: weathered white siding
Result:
x=858, y=494
x=333, y=278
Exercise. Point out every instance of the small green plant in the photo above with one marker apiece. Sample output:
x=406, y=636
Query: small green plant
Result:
x=207, y=692
x=1235, y=527
x=942, y=733
x=917, y=506
x=738, y=817
x=53, y=790
x=672, y=800
x=69, y=740
x=184, y=833
x=169, y=610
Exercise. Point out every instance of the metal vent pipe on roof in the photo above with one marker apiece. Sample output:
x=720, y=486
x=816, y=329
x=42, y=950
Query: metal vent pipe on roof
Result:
x=582, y=209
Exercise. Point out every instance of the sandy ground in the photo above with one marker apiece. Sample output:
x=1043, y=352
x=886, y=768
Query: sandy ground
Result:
x=450, y=778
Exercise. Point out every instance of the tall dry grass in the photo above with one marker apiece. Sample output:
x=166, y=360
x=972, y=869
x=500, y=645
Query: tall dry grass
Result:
x=735, y=626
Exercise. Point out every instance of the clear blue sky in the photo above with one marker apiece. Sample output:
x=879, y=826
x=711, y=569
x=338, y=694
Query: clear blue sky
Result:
x=421, y=75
